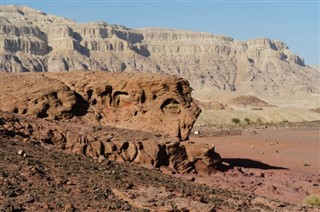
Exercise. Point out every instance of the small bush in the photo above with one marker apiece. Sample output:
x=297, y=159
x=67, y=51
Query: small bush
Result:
x=235, y=120
x=312, y=199
x=247, y=120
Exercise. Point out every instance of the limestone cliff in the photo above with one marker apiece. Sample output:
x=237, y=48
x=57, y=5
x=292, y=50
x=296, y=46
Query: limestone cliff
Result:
x=32, y=41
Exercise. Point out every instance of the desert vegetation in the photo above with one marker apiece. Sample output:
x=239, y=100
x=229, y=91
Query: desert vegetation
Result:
x=312, y=199
x=235, y=120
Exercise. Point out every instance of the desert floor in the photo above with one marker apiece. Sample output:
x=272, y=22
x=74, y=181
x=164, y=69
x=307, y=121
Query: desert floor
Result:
x=282, y=164
x=48, y=179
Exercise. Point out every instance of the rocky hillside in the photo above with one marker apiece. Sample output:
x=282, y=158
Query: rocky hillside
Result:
x=34, y=41
x=115, y=144
x=49, y=180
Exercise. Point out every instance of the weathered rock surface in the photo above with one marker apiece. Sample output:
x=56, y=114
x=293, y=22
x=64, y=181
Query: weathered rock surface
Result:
x=37, y=42
x=112, y=143
x=146, y=102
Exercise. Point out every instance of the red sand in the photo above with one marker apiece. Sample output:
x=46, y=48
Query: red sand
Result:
x=295, y=149
x=281, y=164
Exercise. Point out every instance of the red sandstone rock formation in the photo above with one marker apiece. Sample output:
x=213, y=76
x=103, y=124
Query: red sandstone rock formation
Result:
x=146, y=102
x=115, y=144
x=139, y=118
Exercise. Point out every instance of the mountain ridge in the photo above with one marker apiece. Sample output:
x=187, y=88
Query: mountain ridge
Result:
x=36, y=42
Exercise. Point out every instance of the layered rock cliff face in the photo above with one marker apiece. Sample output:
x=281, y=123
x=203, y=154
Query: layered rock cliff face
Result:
x=36, y=42
x=146, y=102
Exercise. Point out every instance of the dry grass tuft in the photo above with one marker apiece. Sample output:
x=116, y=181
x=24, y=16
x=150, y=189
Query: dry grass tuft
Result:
x=312, y=199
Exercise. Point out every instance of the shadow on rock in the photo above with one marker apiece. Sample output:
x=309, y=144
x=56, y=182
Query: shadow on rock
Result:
x=245, y=163
x=81, y=107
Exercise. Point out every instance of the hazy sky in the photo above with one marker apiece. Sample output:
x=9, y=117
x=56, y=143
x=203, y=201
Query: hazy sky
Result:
x=294, y=22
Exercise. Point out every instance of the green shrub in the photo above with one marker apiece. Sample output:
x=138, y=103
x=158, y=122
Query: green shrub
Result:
x=312, y=199
x=247, y=120
x=235, y=120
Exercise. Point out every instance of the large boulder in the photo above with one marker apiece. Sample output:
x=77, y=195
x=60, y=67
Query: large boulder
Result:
x=148, y=102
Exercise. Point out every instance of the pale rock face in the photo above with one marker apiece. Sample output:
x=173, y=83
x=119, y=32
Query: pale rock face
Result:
x=37, y=42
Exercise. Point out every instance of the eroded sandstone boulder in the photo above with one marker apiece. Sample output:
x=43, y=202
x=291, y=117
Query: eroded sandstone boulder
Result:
x=147, y=102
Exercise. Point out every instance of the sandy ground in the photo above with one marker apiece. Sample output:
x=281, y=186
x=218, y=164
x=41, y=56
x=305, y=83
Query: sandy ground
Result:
x=266, y=115
x=294, y=149
x=295, y=101
x=281, y=164
x=291, y=108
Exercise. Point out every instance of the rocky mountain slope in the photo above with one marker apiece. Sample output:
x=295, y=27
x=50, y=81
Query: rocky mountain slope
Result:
x=34, y=41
